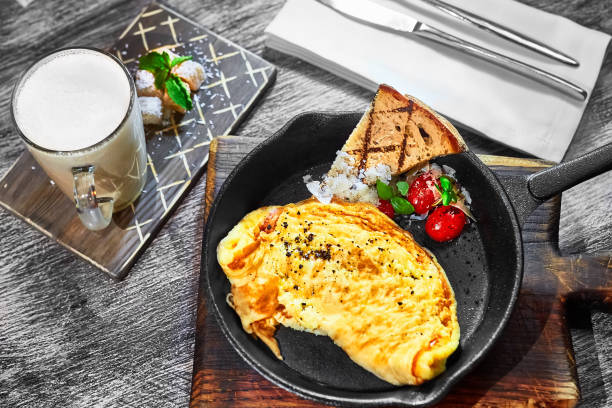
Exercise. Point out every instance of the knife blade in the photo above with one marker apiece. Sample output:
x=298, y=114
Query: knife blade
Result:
x=373, y=13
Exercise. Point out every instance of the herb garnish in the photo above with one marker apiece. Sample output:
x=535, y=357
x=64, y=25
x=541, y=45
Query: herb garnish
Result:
x=160, y=66
x=385, y=192
x=447, y=191
x=399, y=203
x=402, y=187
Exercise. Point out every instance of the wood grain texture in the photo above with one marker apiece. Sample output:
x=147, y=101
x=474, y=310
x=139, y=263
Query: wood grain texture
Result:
x=585, y=225
x=69, y=335
x=532, y=364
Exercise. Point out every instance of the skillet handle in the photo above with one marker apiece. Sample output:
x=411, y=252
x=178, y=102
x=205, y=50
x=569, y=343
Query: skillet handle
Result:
x=527, y=193
x=552, y=181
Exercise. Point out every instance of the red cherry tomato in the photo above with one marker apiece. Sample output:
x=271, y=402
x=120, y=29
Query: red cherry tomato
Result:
x=386, y=208
x=445, y=223
x=423, y=193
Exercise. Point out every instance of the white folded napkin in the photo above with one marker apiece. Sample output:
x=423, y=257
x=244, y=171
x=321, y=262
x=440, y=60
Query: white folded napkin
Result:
x=495, y=102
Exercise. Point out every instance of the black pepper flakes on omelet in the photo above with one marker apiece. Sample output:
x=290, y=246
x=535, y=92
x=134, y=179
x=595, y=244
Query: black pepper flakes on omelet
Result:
x=318, y=284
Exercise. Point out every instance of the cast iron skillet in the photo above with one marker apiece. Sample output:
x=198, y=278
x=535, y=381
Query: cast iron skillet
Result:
x=484, y=265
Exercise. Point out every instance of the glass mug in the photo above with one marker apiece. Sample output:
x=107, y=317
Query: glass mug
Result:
x=77, y=111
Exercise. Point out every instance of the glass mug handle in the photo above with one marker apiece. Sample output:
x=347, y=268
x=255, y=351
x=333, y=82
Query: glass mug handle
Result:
x=95, y=212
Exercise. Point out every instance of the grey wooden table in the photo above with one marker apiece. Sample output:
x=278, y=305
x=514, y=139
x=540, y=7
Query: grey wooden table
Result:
x=69, y=335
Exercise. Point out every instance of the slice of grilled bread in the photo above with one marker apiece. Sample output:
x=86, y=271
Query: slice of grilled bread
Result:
x=401, y=132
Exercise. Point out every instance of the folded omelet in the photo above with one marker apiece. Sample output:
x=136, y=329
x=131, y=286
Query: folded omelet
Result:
x=347, y=271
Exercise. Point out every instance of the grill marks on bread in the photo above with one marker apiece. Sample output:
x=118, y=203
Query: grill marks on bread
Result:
x=402, y=155
x=401, y=132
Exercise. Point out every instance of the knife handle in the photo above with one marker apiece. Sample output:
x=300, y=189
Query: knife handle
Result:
x=503, y=32
x=522, y=68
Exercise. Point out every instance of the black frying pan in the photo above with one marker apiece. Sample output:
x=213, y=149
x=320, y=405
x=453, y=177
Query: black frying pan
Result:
x=484, y=265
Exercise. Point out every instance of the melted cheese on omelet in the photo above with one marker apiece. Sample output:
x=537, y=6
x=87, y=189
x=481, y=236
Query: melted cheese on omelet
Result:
x=347, y=271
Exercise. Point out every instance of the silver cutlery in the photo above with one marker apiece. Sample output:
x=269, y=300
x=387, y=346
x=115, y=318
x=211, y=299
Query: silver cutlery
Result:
x=371, y=13
x=502, y=31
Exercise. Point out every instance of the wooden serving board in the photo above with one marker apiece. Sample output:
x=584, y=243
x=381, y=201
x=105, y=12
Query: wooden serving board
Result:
x=532, y=364
x=177, y=153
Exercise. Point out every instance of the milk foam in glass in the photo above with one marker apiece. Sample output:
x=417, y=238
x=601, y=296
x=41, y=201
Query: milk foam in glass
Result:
x=77, y=111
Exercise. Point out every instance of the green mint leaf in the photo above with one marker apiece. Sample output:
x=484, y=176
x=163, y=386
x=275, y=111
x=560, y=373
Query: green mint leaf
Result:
x=446, y=198
x=152, y=62
x=401, y=205
x=403, y=187
x=160, y=77
x=178, y=60
x=179, y=92
x=166, y=58
x=384, y=190
x=158, y=64
x=446, y=184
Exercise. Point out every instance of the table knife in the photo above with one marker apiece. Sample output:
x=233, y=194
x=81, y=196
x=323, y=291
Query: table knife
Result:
x=502, y=31
x=371, y=13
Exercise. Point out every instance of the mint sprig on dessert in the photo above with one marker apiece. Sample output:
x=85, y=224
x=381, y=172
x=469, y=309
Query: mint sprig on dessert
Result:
x=160, y=65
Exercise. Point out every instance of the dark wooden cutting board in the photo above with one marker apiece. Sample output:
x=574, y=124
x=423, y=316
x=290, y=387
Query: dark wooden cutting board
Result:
x=532, y=364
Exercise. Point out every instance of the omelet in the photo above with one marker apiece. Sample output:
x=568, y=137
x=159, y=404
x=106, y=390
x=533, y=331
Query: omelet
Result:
x=347, y=271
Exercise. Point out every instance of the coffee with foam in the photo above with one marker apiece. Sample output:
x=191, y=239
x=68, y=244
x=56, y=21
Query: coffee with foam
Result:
x=77, y=107
x=72, y=100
